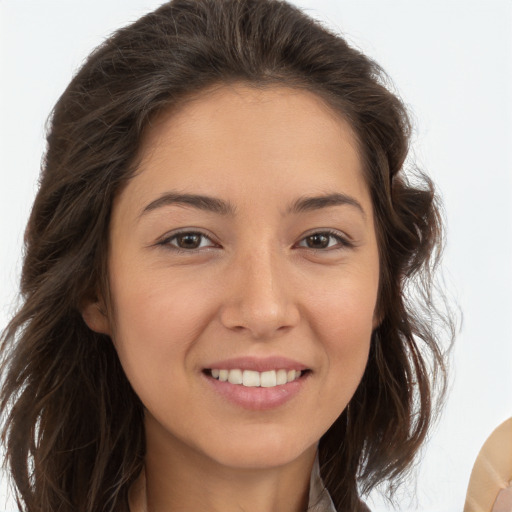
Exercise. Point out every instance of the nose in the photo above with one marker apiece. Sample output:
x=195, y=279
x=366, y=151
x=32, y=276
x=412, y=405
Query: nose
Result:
x=259, y=299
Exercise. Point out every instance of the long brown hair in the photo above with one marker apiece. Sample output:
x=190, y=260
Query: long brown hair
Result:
x=73, y=427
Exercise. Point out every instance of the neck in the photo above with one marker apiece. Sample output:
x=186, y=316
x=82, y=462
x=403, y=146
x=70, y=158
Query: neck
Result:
x=177, y=479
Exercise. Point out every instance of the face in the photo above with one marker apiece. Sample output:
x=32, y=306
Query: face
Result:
x=244, y=273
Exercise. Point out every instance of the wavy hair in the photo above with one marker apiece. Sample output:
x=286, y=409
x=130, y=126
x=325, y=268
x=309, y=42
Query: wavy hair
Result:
x=72, y=425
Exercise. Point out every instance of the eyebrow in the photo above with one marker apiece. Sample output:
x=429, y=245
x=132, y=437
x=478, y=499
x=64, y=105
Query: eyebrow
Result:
x=216, y=205
x=310, y=203
x=201, y=202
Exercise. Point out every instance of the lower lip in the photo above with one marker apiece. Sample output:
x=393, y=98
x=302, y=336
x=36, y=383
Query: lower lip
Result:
x=257, y=398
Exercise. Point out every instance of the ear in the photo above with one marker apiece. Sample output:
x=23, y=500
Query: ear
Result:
x=95, y=316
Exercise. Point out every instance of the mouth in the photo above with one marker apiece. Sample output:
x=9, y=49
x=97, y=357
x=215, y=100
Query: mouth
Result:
x=257, y=384
x=256, y=379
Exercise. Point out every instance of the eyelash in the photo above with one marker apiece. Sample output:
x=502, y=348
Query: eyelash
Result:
x=167, y=242
x=341, y=241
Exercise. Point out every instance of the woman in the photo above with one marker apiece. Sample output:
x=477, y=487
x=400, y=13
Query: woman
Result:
x=214, y=284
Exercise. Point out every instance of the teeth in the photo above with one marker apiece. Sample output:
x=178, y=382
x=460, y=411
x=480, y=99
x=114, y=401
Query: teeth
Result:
x=235, y=377
x=251, y=378
x=281, y=377
x=268, y=379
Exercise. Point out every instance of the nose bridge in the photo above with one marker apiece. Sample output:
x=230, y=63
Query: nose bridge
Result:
x=260, y=298
x=262, y=287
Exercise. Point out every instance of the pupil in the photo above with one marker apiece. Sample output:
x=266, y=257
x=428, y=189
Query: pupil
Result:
x=318, y=241
x=189, y=241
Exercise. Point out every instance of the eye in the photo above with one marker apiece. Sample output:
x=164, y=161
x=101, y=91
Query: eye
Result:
x=324, y=240
x=188, y=241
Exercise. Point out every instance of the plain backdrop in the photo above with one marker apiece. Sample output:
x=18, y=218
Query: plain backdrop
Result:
x=451, y=61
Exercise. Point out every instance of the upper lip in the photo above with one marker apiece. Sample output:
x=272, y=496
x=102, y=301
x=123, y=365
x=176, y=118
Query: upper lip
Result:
x=259, y=364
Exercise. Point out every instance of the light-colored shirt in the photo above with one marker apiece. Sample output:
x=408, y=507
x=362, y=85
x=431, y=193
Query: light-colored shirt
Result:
x=319, y=499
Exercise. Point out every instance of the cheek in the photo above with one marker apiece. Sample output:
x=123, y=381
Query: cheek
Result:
x=156, y=324
x=343, y=322
x=344, y=309
x=157, y=300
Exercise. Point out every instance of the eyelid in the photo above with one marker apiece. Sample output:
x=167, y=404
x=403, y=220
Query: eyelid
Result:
x=343, y=239
x=165, y=241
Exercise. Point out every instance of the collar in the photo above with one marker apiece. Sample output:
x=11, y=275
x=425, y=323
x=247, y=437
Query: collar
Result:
x=319, y=499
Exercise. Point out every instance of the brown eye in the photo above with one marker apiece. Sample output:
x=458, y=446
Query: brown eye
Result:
x=324, y=240
x=318, y=241
x=188, y=241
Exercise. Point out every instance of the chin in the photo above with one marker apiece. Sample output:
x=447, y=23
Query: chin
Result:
x=263, y=451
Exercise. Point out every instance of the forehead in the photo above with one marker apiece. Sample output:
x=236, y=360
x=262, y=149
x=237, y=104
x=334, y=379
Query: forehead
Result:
x=243, y=110
x=239, y=137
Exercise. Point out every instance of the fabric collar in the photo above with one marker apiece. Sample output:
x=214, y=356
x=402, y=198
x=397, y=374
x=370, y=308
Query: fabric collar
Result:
x=319, y=499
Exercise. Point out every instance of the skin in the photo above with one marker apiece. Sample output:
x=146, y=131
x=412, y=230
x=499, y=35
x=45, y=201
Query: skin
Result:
x=492, y=472
x=256, y=286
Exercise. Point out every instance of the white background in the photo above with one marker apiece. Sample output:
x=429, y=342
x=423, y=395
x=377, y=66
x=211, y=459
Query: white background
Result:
x=452, y=63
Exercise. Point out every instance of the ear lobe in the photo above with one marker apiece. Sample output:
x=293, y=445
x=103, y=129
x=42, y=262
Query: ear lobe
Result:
x=95, y=317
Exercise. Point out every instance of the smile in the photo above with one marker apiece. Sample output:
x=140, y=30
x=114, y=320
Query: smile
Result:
x=257, y=383
x=252, y=378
